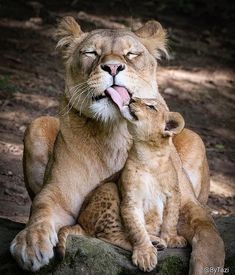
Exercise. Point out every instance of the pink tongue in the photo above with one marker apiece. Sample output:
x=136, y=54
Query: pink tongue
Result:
x=119, y=95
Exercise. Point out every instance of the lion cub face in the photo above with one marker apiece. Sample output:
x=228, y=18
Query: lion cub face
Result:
x=149, y=120
x=105, y=67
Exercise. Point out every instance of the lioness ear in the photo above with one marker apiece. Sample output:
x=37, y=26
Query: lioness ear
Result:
x=174, y=124
x=154, y=38
x=67, y=32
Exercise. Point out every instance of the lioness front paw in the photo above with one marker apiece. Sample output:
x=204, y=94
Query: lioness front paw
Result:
x=145, y=257
x=175, y=241
x=33, y=247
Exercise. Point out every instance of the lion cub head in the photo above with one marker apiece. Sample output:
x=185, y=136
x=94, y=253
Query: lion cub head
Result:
x=150, y=121
x=106, y=67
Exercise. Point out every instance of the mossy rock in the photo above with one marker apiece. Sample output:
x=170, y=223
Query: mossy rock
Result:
x=90, y=256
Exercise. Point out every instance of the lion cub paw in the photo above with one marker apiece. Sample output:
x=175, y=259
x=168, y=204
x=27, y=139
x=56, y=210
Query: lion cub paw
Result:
x=175, y=241
x=159, y=243
x=145, y=257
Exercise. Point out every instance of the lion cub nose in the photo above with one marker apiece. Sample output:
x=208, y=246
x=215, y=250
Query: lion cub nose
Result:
x=113, y=69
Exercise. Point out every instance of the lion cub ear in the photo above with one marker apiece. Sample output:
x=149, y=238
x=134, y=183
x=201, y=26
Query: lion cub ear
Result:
x=67, y=33
x=154, y=38
x=174, y=124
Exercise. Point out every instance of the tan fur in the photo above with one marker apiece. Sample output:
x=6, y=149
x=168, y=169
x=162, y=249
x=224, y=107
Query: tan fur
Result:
x=39, y=137
x=92, y=141
x=149, y=181
x=100, y=217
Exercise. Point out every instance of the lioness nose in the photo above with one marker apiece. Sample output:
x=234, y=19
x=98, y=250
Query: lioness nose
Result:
x=113, y=69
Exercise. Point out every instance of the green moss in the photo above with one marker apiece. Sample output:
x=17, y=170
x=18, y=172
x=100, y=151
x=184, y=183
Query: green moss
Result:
x=173, y=266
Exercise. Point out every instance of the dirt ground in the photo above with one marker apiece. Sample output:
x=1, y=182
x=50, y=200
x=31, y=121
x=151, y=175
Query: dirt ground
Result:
x=197, y=81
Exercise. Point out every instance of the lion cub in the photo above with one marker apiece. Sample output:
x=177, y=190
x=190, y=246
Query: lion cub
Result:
x=149, y=182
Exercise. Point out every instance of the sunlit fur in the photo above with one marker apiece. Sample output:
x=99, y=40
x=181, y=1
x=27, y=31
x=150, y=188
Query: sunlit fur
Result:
x=73, y=155
x=85, y=78
x=151, y=197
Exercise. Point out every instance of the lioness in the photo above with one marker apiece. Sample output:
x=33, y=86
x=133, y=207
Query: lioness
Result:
x=67, y=158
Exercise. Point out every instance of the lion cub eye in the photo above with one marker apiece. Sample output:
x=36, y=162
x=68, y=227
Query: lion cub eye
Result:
x=131, y=55
x=92, y=54
x=152, y=107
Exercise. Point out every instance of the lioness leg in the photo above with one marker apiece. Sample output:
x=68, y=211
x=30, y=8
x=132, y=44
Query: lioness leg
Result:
x=33, y=246
x=195, y=224
x=205, y=184
x=191, y=150
x=198, y=228
x=39, y=141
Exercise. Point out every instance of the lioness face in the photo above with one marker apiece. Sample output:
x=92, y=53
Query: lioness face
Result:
x=105, y=68
x=151, y=121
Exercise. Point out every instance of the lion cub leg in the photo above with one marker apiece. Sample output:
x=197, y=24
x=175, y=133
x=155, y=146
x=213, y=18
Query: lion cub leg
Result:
x=170, y=221
x=144, y=252
x=153, y=225
x=115, y=235
x=62, y=237
x=100, y=216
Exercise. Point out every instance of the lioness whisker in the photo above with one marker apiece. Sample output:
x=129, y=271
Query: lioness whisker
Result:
x=76, y=100
x=76, y=93
x=84, y=100
x=79, y=84
x=88, y=92
x=62, y=112
x=74, y=89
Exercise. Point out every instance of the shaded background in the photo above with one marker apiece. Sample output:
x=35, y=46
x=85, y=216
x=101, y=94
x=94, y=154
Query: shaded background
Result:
x=198, y=80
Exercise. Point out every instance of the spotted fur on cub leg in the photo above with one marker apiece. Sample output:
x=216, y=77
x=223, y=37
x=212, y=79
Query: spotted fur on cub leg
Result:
x=63, y=235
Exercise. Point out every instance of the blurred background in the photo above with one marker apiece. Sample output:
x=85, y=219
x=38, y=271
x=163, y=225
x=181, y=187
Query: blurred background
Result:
x=198, y=80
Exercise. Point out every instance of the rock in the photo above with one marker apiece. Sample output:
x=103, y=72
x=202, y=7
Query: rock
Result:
x=22, y=128
x=170, y=91
x=226, y=228
x=9, y=173
x=90, y=256
x=8, y=230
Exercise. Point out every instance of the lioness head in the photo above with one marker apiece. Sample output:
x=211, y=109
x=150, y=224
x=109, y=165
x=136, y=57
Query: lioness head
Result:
x=106, y=67
x=149, y=120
